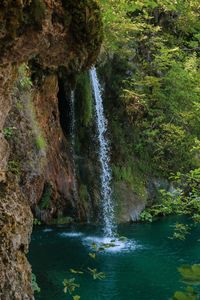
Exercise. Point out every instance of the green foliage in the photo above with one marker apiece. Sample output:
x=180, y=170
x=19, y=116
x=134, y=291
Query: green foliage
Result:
x=76, y=272
x=70, y=285
x=190, y=276
x=155, y=70
x=46, y=196
x=36, y=222
x=188, y=294
x=92, y=255
x=8, y=132
x=131, y=175
x=76, y=297
x=96, y=275
x=24, y=78
x=184, y=199
x=124, y=20
x=34, y=284
x=39, y=137
x=14, y=167
x=180, y=232
x=146, y=216
x=169, y=128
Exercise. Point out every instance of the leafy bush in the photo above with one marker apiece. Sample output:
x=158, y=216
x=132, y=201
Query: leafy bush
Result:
x=180, y=232
x=184, y=199
x=152, y=83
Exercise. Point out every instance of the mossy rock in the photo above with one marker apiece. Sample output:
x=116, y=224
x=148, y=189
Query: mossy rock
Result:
x=86, y=24
x=35, y=13
x=16, y=15
x=46, y=196
x=84, y=94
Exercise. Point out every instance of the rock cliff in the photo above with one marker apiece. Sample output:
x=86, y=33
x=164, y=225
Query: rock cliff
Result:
x=40, y=41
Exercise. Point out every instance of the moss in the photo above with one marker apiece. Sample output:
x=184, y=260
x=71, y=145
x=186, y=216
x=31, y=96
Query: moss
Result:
x=84, y=94
x=16, y=15
x=46, y=196
x=33, y=15
x=37, y=12
x=25, y=85
x=24, y=82
x=40, y=142
x=131, y=175
x=14, y=167
x=83, y=193
x=11, y=16
x=86, y=25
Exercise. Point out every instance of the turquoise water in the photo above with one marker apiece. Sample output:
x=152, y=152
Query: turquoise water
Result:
x=144, y=268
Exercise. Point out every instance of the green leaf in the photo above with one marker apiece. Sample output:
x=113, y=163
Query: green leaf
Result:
x=184, y=296
x=190, y=274
x=76, y=297
x=75, y=271
x=70, y=285
x=96, y=275
x=92, y=255
x=94, y=246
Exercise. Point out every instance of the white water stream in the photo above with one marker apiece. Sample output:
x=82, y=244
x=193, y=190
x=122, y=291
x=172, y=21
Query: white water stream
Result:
x=104, y=157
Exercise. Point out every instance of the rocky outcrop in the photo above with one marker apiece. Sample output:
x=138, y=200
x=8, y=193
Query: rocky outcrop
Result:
x=16, y=226
x=39, y=41
x=129, y=204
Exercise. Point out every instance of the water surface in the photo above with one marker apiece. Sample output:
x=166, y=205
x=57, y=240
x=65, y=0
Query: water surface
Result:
x=144, y=268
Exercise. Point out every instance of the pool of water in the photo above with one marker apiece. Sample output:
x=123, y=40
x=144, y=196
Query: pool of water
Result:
x=142, y=268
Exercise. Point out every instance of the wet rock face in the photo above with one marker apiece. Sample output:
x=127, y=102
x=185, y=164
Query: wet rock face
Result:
x=35, y=161
x=58, y=34
x=129, y=203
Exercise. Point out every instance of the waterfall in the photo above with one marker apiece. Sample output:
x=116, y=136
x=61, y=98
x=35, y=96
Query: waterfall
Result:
x=75, y=184
x=73, y=119
x=104, y=157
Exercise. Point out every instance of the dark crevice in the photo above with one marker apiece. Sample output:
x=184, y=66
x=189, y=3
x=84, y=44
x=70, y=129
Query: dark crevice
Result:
x=64, y=107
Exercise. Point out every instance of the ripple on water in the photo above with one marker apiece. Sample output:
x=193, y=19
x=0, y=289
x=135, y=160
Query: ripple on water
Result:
x=47, y=230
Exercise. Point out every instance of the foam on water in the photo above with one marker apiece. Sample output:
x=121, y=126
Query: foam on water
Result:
x=116, y=245
x=71, y=234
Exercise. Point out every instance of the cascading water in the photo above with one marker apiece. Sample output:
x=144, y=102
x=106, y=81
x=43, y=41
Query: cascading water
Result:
x=75, y=190
x=104, y=157
x=72, y=118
